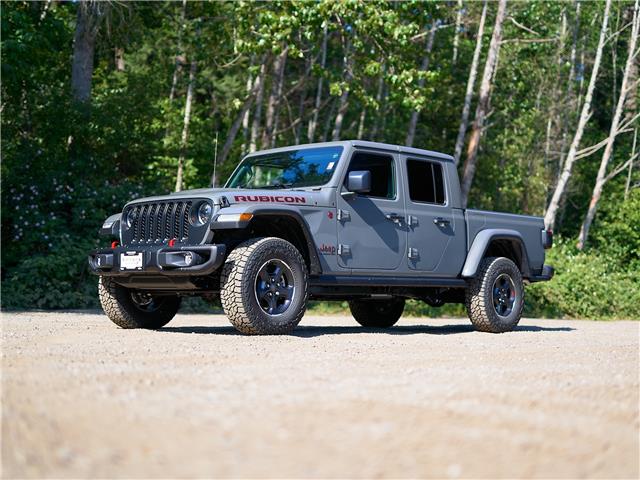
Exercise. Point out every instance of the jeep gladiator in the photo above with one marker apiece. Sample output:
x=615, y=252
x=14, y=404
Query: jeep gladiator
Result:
x=370, y=223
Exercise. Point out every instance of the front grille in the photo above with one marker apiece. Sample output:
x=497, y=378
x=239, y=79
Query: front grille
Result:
x=159, y=222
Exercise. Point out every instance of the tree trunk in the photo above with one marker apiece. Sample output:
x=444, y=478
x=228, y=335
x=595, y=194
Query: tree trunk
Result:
x=606, y=156
x=456, y=38
x=473, y=72
x=245, y=118
x=274, y=98
x=627, y=185
x=344, y=97
x=483, y=104
x=413, y=121
x=563, y=180
x=381, y=103
x=119, y=59
x=257, y=114
x=363, y=116
x=185, y=125
x=343, y=105
x=313, y=122
x=327, y=122
x=235, y=126
x=83, y=51
x=179, y=60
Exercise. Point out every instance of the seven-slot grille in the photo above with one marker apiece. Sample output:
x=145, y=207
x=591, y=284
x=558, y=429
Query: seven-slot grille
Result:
x=160, y=221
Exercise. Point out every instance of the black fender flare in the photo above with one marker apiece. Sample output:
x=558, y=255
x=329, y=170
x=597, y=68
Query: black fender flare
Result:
x=314, y=262
x=481, y=243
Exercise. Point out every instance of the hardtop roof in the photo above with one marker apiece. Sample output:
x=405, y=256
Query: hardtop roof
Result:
x=362, y=144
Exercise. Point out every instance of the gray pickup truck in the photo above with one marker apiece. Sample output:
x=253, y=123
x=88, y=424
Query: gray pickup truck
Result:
x=370, y=223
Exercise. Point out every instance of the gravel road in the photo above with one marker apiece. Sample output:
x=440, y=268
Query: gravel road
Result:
x=428, y=398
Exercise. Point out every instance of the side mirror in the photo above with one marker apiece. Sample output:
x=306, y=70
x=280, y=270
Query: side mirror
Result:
x=359, y=181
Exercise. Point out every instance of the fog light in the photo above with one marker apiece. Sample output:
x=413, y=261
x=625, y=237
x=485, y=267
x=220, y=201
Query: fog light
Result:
x=188, y=258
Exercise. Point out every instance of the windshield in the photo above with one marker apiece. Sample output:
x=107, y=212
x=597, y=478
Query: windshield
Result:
x=294, y=168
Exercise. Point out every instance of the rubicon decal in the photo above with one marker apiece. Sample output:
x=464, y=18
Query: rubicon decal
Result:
x=270, y=198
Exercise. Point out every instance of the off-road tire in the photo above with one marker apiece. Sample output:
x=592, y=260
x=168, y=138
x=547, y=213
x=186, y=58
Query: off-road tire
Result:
x=479, y=296
x=238, y=286
x=377, y=313
x=118, y=304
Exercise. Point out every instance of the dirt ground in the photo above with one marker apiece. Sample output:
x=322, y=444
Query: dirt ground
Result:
x=428, y=398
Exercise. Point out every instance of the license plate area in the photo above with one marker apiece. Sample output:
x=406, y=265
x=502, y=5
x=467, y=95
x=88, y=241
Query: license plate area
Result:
x=131, y=261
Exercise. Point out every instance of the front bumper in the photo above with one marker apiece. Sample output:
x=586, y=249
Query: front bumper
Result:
x=159, y=260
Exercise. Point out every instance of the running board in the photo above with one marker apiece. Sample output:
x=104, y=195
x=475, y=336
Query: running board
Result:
x=379, y=281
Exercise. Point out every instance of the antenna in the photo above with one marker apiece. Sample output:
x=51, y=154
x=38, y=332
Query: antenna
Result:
x=215, y=161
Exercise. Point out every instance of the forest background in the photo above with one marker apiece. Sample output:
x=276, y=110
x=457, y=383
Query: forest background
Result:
x=102, y=102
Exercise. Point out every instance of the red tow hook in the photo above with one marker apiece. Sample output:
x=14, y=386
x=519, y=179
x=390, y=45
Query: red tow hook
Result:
x=172, y=242
x=115, y=243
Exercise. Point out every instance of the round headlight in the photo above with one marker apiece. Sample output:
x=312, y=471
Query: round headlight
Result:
x=130, y=217
x=204, y=213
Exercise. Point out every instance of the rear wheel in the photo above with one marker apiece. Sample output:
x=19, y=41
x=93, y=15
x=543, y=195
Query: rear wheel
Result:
x=133, y=309
x=263, y=286
x=495, y=297
x=377, y=313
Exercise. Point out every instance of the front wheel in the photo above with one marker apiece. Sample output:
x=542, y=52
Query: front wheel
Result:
x=495, y=297
x=263, y=286
x=377, y=313
x=132, y=309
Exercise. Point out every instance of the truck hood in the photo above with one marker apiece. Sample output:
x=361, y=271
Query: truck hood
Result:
x=297, y=197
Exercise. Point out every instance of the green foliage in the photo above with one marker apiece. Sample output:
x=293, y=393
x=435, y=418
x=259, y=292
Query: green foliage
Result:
x=587, y=285
x=66, y=167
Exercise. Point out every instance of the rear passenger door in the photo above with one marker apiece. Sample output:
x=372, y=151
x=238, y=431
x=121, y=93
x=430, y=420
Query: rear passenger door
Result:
x=371, y=229
x=435, y=242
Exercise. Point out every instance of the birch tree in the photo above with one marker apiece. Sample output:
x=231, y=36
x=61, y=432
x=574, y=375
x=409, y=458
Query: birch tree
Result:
x=185, y=125
x=268, y=133
x=470, y=164
x=424, y=67
x=257, y=114
x=343, y=103
x=456, y=37
x=313, y=121
x=585, y=115
x=473, y=72
x=606, y=156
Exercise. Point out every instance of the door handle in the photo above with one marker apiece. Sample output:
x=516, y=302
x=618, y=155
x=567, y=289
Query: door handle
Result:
x=441, y=222
x=394, y=217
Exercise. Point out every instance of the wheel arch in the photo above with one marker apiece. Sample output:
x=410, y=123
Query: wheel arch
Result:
x=285, y=224
x=497, y=243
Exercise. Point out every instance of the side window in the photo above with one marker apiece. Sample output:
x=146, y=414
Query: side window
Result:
x=426, y=183
x=383, y=184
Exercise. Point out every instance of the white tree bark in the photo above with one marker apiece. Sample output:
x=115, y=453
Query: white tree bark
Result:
x=470, y=163
x=179, y=60
x=268, y=134
x=235, y=126
x=245, y=118
x=563, y=180
x=313, y=121
x=257, y=114
x=343, y=103
x=473, y=72
x=424, y=67
x=185, y=125
x=606, y=156
x=456, y=38
x=381, y=103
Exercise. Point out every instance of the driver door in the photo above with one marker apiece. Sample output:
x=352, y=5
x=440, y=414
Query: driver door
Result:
x=372, y=233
